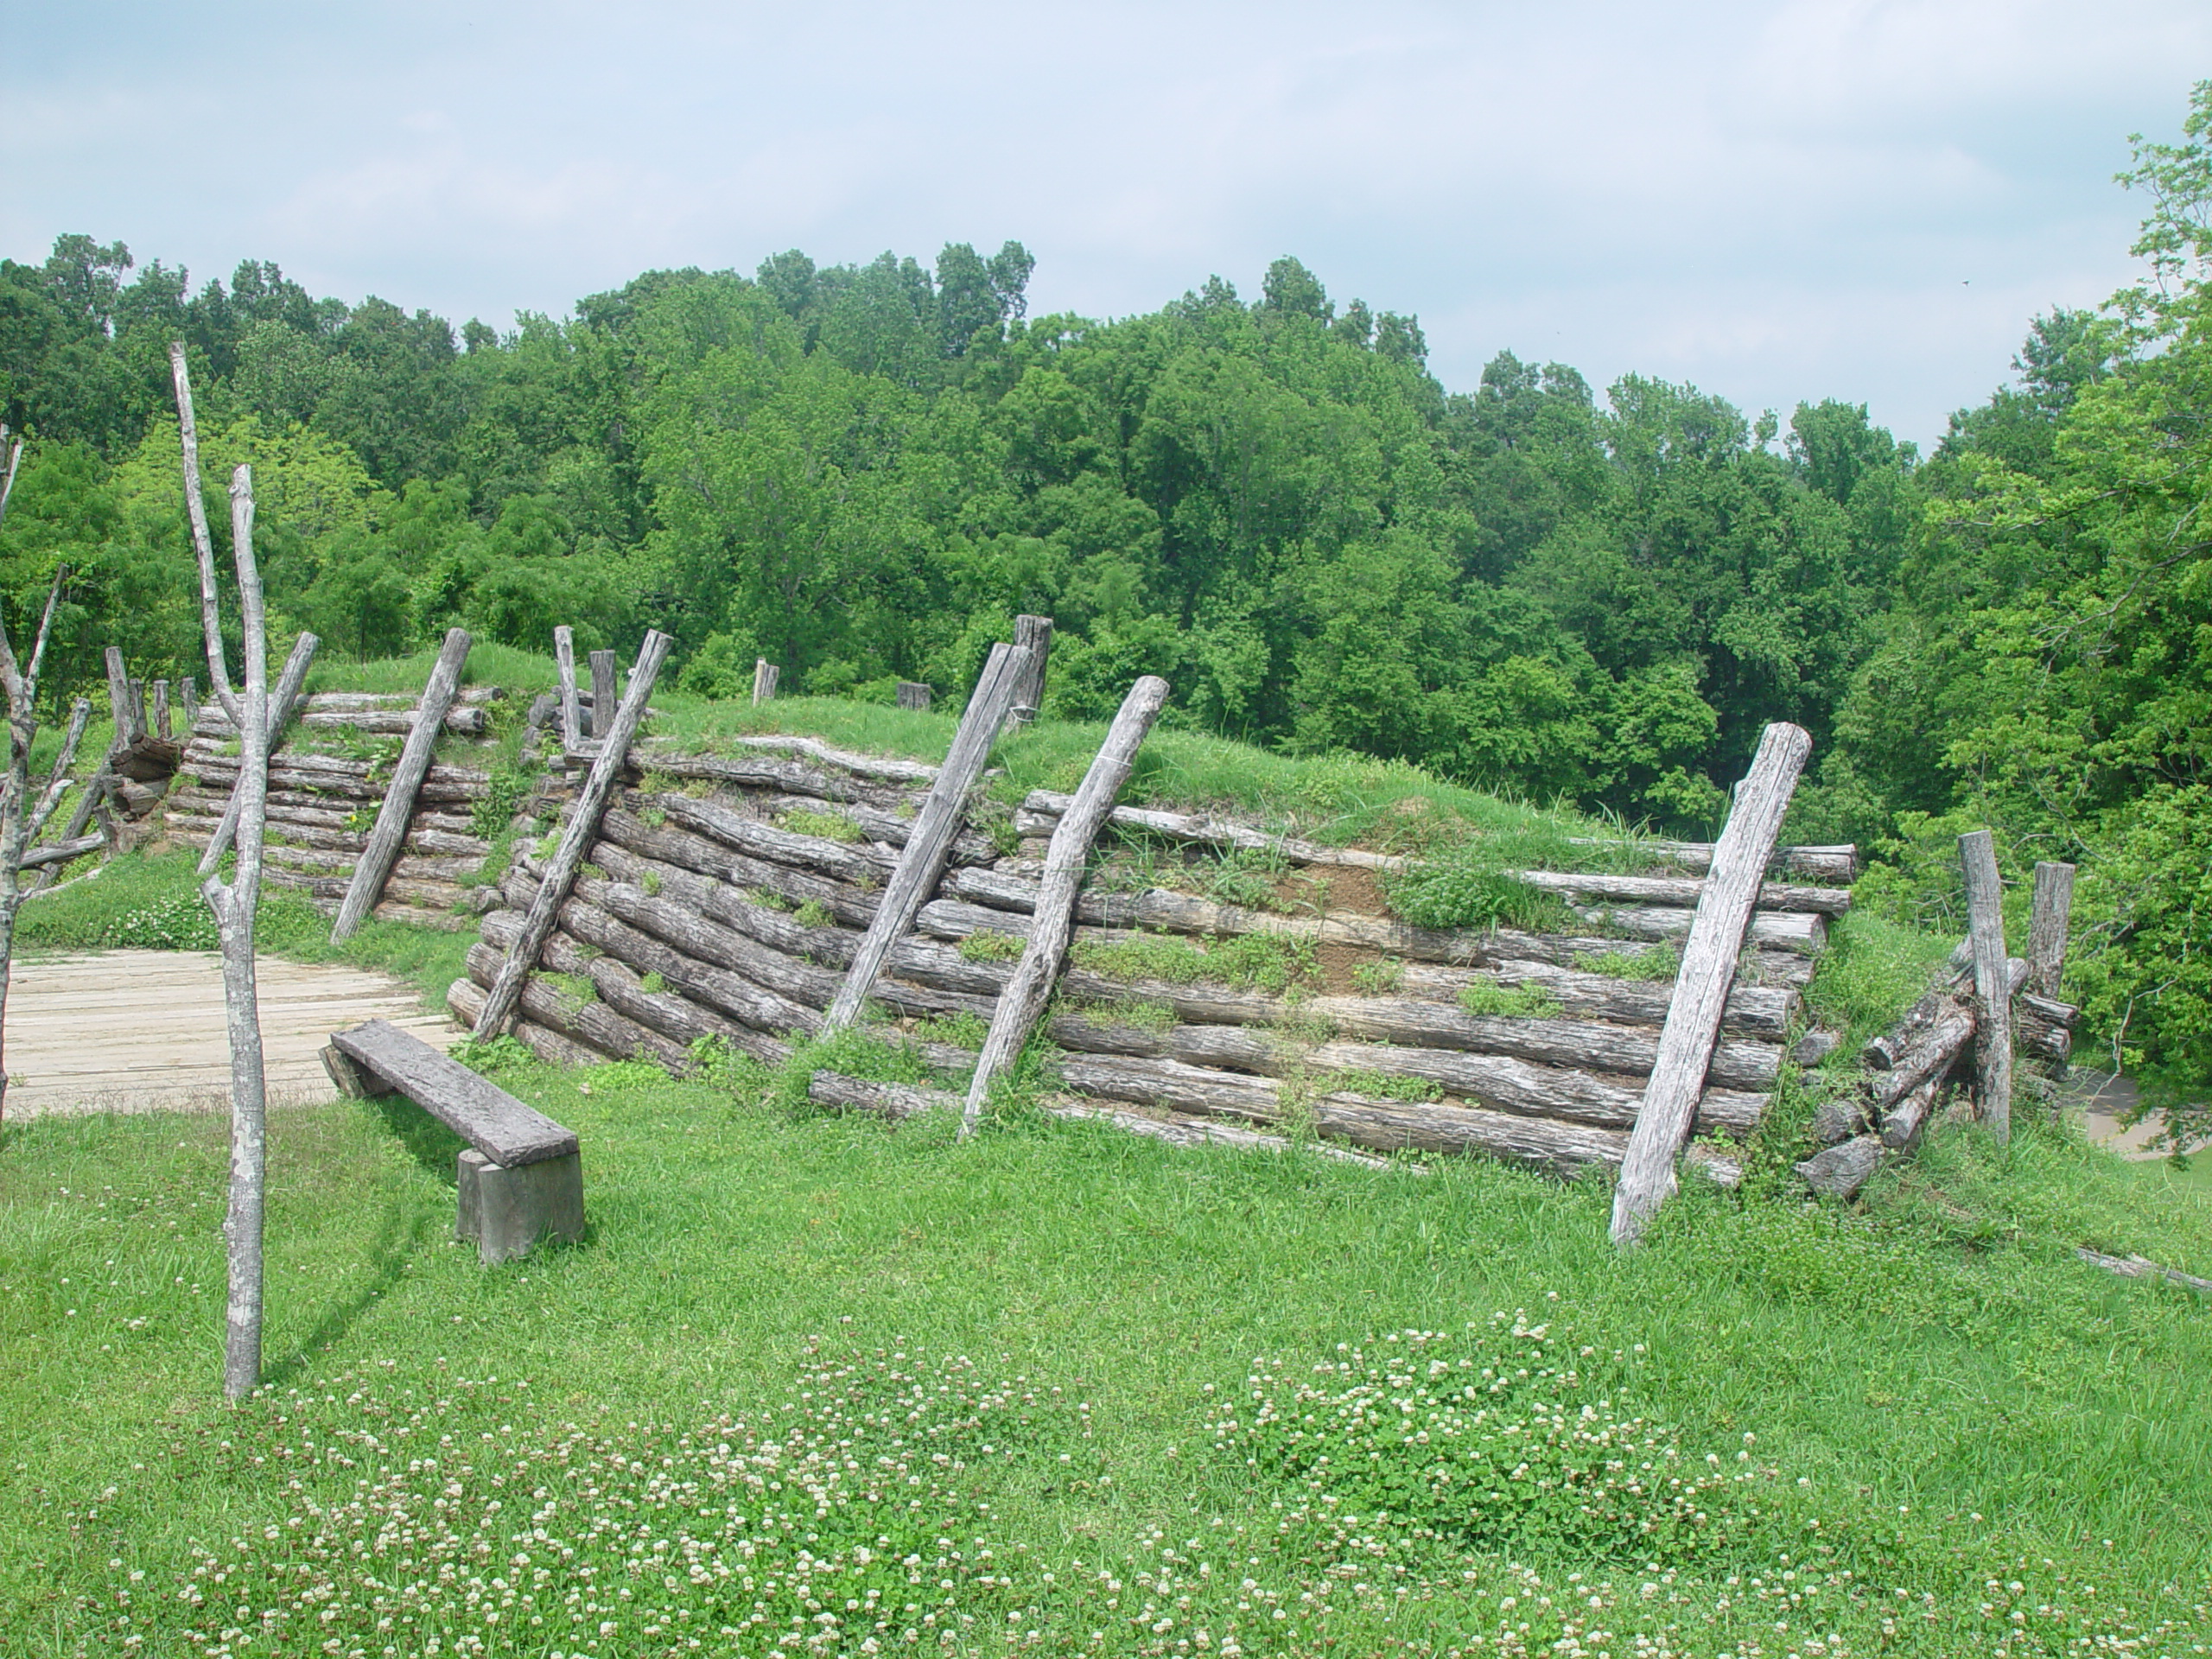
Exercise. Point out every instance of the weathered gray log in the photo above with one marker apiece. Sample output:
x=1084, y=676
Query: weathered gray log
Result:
x=913, y=695
x=187, y=690
x=382, y=849
x=673, y=849
x=1053, y=917
x=1218, y=832
x=1197, y=1132
x=422, y=866
x=1499, y=1082
x=1838, y=1120
x=712, y=972
x=465, y=1000
x=578, y=834
x=1386, y=1125
x=2048, y=917
x=877, y=824
x=586, y=1021
x=1811, y=1049
x=1034, y=635
x=1901, y=1123
x=2141, y=1266
x=885, y=768
x=1930, y=1057
x=895, y=1100
x=1993, y=1012
x=340, y=780
x=764, y=675
x=564, y=665
x=681, y=1019
x=1805, y=934
x=2044, y=1028
x=304, y=827
x=481, y=1113
x=1760, y=1011
x=162, y=710
x=1185, y=912
x=854, y=862
x=603, y=694
x=1839, y=1171
x=922, y=860
x=473, y=721
x=1723, y=917
x=1678, y=891
x=1830, y=864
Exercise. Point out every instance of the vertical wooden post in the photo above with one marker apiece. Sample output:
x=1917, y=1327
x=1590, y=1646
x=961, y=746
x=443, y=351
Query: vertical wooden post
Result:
x=162, y=710
x=931, y=838
x=1025, y=994
x=373, y=868
x=1035, y=633
x=2053, y=908
x=560, y=873
x=118, y=702
x=187, y=690
x=1708, y=970
x=564, y=658
x=291, y=685
x=203, y=547
x=1992, y=998
x=603, y=697
x=136, y=693
x=913, y=694
x=764, y=675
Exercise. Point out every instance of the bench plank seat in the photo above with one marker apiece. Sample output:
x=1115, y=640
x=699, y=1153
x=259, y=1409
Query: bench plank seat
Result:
x=481, y=1113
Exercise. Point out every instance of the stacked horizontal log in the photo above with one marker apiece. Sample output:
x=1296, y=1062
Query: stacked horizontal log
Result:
x=711, y=906
x=321, y=807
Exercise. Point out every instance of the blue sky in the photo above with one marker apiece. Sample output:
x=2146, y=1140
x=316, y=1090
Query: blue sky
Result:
x=1866, y=201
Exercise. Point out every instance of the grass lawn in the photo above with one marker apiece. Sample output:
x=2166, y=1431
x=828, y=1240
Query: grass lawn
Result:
x=811, y=1369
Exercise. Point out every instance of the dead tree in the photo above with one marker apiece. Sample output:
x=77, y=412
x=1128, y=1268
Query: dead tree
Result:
x=234, y=905
x=20, y=820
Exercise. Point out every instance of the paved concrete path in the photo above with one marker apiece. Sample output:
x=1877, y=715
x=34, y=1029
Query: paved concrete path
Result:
x=138, y=1030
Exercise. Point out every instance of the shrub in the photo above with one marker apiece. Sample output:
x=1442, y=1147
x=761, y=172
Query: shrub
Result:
x=1525, y=1000
x=987, y=945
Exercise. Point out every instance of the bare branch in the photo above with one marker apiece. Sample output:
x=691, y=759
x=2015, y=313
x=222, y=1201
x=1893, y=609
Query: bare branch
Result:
x=58, y=783
x=45, y=634
x=210, y=617
x=8, y=485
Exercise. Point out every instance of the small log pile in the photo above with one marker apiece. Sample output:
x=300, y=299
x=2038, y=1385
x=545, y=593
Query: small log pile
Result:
x=323, y=805
x=726, y=896
x=1938, y=1056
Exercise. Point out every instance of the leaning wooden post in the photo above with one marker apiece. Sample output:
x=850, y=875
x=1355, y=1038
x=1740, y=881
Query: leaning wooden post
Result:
x=373, y=868
x=1023, y=1000
x=1035, y=633
x=603, y=698
x=931, y=838
x=560, y=872
x=291, y=685
x=1993, y=1000
x=764, y=675
x=565, y=659
x=2048, y=917
x=1709, y=970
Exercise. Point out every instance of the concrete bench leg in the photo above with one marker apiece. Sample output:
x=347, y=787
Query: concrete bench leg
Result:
x=505, y=1212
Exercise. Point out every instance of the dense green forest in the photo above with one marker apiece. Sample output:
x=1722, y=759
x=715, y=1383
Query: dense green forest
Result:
x=863, y=473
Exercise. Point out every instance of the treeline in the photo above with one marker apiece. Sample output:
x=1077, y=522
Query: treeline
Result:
x=863, y=473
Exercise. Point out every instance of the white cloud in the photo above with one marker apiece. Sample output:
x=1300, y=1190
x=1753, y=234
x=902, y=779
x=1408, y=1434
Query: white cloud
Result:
x=1834, y=197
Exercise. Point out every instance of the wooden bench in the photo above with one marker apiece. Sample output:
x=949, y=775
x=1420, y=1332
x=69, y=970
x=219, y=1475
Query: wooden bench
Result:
x=522, y=1176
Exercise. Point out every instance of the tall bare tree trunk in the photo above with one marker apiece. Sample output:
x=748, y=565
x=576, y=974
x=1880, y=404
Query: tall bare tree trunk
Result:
x=234, y=908
x=235, y=905
x=19, y=819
